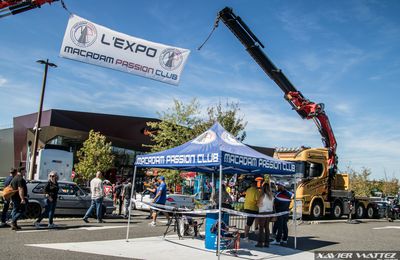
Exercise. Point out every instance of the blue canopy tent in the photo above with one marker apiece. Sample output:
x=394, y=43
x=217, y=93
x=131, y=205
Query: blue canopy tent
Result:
x=215, y=150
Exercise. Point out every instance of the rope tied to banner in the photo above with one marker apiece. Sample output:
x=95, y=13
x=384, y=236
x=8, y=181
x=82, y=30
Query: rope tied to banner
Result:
x=186, y=211
x=65, y=7
x=212, y=31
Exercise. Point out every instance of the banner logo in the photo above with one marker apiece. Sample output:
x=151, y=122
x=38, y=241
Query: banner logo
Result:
x=228, y=138
x=171, y=59
x=83, y=34
x=205, y=138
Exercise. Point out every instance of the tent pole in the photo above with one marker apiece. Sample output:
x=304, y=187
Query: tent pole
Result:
x=295, y=211
x=213, y=186
x=219, y=211
x=130, y=203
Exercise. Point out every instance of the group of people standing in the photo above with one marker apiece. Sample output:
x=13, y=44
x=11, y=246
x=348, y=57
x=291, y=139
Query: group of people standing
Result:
x=266, y=203
x=122, y=196
x=261, y=201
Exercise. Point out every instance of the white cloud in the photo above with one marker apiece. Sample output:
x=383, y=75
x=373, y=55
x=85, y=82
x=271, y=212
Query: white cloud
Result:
x=343, y=108
x=3, y=81
x=301, y=27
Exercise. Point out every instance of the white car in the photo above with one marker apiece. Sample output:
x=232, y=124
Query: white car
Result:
x=175, y=200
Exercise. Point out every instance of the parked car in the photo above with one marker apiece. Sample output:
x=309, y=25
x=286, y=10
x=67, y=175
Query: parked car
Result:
x=175, y=200
x=72, y=200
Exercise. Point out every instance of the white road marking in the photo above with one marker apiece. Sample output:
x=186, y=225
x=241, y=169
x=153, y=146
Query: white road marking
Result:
x=388, y=227
x=171, y=248
x=96, y=228
x=66, y=228
x=31, y=231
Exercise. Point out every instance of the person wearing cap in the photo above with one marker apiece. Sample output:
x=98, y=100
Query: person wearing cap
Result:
x=282, y=203
x=6, y=204
x=160, y=198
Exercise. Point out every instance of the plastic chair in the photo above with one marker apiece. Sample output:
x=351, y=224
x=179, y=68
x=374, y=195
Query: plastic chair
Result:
x=230, y=237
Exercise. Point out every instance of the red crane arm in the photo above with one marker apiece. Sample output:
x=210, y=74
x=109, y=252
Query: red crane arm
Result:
x=12, y=7
x=305, y=108
x=310, y=110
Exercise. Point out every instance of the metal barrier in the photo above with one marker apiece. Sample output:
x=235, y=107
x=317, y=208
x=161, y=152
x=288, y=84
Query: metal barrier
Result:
x=239, y=222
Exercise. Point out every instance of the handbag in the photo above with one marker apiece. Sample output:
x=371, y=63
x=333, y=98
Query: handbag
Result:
x=8, y=192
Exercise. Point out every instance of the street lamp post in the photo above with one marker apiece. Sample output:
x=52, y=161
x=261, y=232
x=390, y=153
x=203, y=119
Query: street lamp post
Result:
x=39, y=117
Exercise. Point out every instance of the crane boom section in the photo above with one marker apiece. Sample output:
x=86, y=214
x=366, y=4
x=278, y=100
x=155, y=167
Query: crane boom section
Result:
x=305, y=108
x=12, y=7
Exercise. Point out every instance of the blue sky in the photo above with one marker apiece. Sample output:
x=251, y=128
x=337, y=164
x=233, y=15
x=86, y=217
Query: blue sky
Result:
x=345, y=54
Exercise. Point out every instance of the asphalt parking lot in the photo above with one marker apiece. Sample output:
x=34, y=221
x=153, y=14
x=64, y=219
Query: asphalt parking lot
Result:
x=312, y=236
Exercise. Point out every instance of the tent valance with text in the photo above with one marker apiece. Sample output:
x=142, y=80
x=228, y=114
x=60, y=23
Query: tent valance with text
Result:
x=211, y=149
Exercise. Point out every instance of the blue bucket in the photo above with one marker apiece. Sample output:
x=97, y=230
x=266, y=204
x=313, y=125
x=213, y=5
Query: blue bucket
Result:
x=210, y=237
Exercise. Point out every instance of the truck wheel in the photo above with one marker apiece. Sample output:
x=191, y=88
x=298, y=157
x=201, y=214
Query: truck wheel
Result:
x=337, y=210
x=360, y=211
x=33, y=211
x=370, y=212
x=316, y=210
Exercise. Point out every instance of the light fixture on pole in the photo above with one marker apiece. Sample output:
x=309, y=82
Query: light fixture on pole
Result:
x=39, y=117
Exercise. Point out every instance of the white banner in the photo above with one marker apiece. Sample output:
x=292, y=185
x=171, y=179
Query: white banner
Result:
x=95, y=44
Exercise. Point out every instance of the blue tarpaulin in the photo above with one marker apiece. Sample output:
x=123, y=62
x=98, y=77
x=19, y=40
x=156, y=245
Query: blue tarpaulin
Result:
x=211, y=149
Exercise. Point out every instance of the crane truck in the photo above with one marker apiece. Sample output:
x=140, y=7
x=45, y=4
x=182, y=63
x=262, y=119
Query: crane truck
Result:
x=322, y=190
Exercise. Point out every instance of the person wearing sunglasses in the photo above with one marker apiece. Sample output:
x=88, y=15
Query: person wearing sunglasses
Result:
x=51, y=192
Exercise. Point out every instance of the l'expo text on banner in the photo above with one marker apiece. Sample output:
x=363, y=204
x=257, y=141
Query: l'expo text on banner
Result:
x=95, y=44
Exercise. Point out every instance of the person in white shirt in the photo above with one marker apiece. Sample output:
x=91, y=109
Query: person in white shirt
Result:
x=97, y=191
x=265, y=206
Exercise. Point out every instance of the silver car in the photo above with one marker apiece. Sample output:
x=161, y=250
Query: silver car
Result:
x=72, y=200
x=175, y=200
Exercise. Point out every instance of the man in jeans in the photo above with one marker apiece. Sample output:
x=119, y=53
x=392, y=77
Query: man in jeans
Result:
x=282, y=203
x=6, y=204
x=20, y=198
x=126, y=195
x=96, y=188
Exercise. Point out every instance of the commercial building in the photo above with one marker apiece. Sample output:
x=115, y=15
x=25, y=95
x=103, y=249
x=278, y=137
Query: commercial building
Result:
x=71, y=128
x=129, y=136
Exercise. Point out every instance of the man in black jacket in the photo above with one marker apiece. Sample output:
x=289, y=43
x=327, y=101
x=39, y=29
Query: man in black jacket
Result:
x=20, y=198
x=282, y=203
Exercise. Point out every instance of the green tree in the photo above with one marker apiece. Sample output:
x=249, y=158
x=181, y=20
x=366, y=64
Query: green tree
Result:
x=183, y=122
x=228, y=117
x=95, y=155
x=359, y=182
x=390, y=186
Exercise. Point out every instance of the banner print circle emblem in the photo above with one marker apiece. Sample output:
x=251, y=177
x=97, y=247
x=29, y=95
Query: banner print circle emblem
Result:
x=228, y=138
x=83, y=34
x=171, y=59
x=205, y=138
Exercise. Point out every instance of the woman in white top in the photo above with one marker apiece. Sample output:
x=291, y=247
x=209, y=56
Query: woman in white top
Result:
x=265, y=206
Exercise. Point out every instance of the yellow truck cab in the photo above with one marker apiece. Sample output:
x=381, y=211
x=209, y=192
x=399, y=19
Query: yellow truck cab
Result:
x=319, y=195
